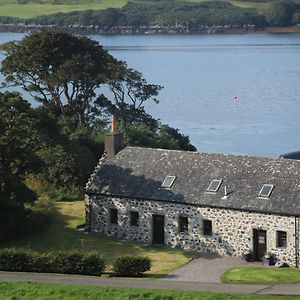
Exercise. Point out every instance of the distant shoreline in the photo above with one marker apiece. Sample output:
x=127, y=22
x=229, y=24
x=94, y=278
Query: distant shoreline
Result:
x=289, y=29
x=147, y=30
x=129, y=30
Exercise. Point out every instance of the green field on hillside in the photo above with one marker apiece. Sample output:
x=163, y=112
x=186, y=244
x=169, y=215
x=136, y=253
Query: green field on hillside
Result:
x=46, y=7
x=63, y=235
x=246, y=4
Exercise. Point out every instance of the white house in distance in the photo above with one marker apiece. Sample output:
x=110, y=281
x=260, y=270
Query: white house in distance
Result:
x=205, y=202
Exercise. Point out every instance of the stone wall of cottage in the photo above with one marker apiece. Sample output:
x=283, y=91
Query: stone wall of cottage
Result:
x=232, y=231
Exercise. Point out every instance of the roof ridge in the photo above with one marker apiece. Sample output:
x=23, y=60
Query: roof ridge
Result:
x=275, y=158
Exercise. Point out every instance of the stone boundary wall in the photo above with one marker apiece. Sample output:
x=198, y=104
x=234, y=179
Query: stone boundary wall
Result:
x=232, y=230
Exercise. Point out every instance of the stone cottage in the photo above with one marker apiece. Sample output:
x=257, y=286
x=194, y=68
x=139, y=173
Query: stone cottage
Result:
x=205, y=202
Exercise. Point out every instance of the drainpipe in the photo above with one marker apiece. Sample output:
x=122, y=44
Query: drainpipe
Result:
x=90, y=216
x=297, y=242
x=88, y=211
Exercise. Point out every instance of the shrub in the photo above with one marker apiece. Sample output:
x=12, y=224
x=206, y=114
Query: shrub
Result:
x=35, y=222
x=131, y=266
x=16, y=260
x=68, y=262
x=72, y=262
x=65, y=194
x=92, y=264
x=43, y=263
x=16, y=220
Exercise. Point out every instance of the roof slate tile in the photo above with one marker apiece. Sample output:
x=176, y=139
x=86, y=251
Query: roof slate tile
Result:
x=139, y=172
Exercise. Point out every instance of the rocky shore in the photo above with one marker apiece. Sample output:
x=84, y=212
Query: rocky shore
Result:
x=130, y=30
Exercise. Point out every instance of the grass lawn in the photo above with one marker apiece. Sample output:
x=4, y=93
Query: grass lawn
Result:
x=33, y=9
x=261, y=275
x=62, y=235
x=29, y=291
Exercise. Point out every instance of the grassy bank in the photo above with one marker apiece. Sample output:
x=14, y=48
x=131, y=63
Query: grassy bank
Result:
x=289, y=29
x=261, y=275
x=33, y=9
x=63, y=235
x=39, y=291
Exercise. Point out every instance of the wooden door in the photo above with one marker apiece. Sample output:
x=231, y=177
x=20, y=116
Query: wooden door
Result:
x=158, y=229
x=259, y=243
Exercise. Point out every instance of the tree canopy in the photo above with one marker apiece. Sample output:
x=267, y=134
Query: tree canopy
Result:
x=129, y=92
x=17, y=149
x=60, y=70
x=64, y=73
x=280, y=12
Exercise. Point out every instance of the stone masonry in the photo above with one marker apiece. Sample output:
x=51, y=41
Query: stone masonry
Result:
x=232, y=230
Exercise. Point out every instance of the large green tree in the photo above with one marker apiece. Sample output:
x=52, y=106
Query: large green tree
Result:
x=163, y=136
x=129, y=92
x=68, y=153
x=60, y=70
x=280, y=12
x=63, y=73
x=17, y=149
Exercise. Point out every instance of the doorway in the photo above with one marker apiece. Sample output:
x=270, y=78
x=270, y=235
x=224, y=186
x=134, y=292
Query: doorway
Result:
x=259, y=243
x=158, y=229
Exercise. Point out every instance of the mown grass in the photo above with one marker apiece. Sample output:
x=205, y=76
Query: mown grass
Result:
x=261, y=275
x=63, y=235
x=37, y=291
x=32, y=9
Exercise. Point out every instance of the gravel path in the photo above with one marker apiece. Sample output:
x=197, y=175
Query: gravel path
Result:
x=207, y=268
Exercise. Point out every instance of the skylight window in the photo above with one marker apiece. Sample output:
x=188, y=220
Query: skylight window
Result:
x=168, y=182
x=266, y=190
x=214, y=185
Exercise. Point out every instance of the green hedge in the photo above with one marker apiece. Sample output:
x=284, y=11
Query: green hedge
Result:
x=130, y=266
x=71, y=262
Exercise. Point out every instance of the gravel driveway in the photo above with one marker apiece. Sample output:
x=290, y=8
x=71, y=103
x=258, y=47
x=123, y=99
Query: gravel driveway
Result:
x=207, y=268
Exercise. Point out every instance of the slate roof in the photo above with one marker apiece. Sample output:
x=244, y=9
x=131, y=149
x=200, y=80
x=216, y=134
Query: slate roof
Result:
x=139, y=172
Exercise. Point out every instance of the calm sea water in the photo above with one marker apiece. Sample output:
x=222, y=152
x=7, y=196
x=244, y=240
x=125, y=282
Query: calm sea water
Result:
x=202, y=74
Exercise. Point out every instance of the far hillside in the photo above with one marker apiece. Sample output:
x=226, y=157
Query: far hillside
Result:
x=26, y=9
x=111, y=16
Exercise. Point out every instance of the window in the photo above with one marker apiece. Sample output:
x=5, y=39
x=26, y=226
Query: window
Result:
x=168, y=182
x=207, y=227
x=134, y=218
x=113, y=216
x=281, y=239
x=214, y=185
x=183, y=224
x=266, y=190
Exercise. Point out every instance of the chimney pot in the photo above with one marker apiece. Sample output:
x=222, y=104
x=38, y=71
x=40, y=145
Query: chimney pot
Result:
x=112, y=140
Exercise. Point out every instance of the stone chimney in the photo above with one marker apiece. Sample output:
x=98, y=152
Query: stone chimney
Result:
x=112, y=140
